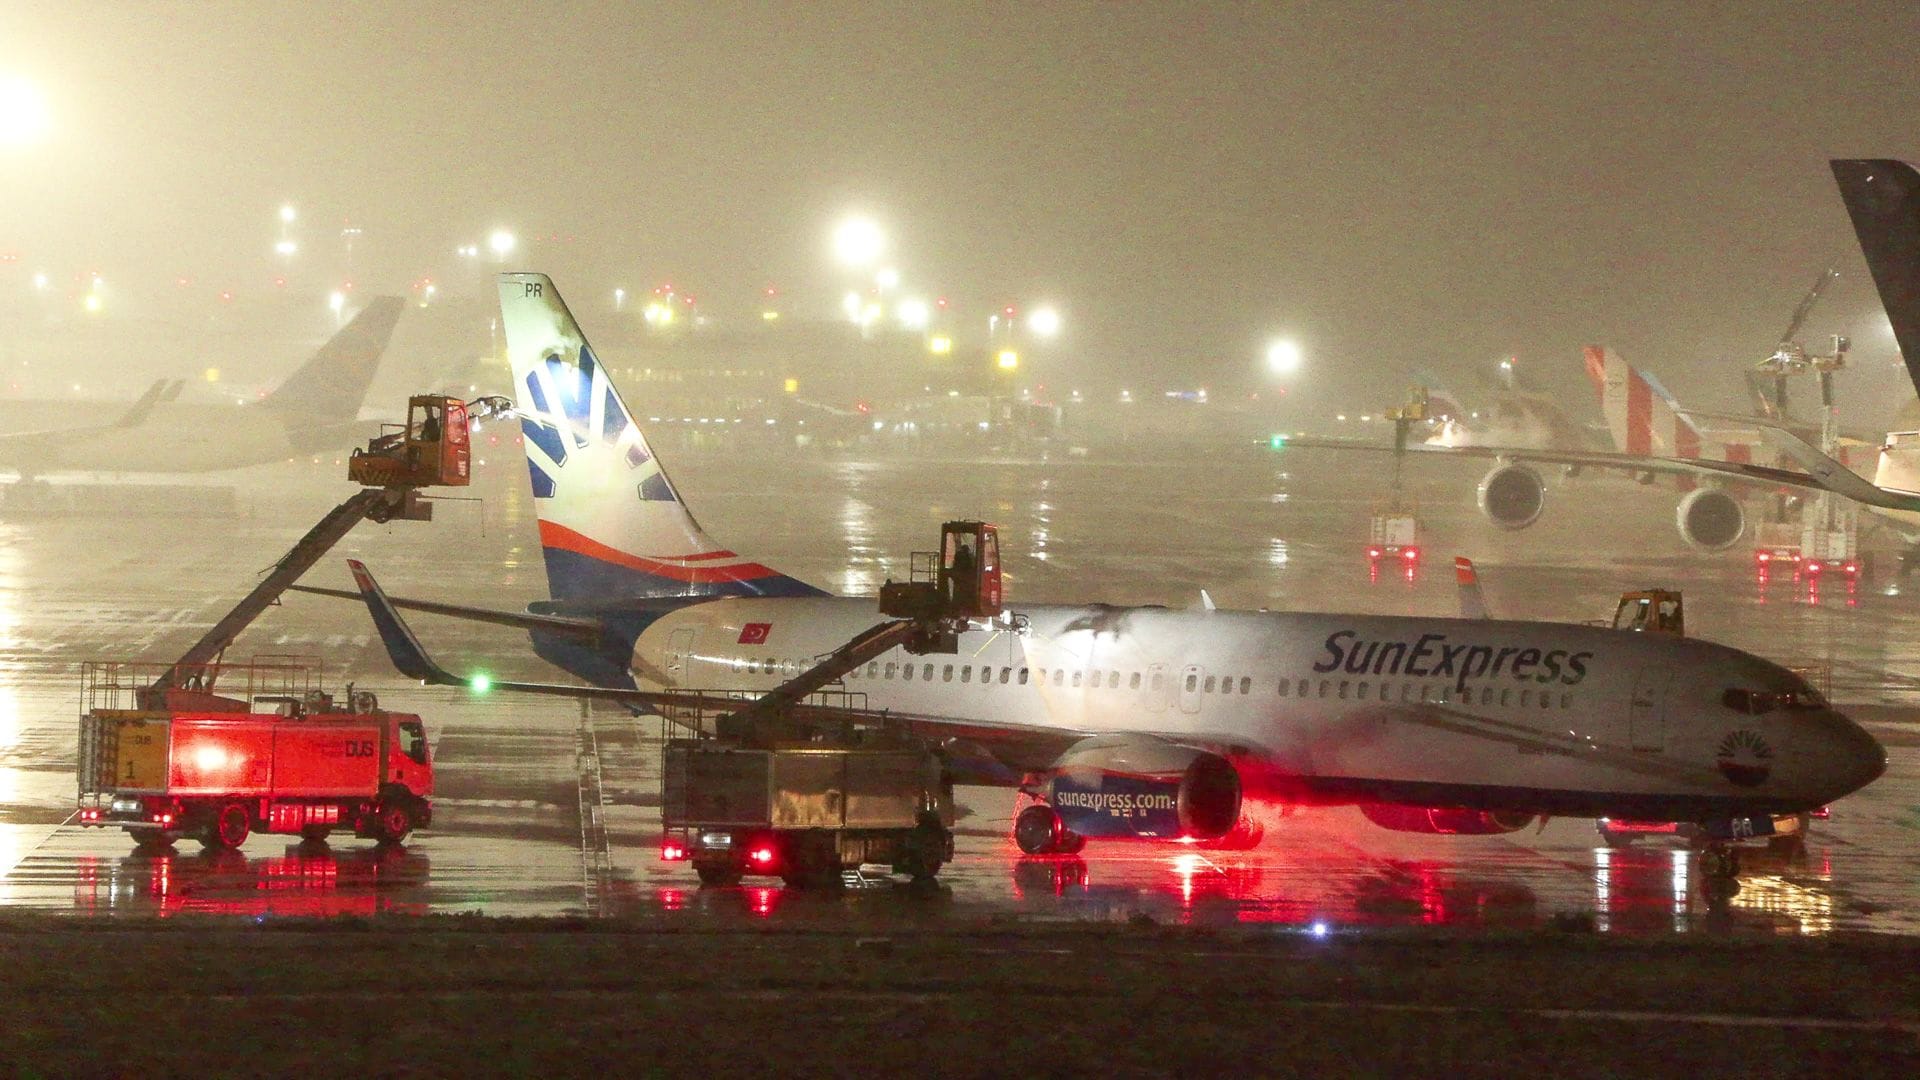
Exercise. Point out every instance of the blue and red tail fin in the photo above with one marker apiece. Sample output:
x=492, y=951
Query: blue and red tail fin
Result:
x=611, y=524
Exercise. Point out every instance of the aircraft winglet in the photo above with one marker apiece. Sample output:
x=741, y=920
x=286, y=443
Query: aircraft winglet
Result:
x=1473, y=603
x=402, y=647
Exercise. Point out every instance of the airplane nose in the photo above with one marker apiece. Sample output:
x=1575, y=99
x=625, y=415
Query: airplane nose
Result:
x=1857, y=758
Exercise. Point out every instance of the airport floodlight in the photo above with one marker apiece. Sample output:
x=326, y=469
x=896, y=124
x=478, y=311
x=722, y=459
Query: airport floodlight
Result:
x=23, y=112
x=619, y=299
x=286, y=213
x=336, y=302
x=501, y=243
x=858, y=242
x=887, y=279
x=914, y=314
x=93, y=303
x=40, y=281
x=1008, y=360
x=1044, y=322
x=285, y=248
x=940, y=345
x=1283, y=357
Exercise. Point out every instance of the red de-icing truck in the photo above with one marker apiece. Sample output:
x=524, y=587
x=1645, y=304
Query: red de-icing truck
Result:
x=219, y=768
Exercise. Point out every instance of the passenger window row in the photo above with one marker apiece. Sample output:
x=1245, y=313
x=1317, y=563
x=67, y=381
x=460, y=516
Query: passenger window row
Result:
x=1407, y=693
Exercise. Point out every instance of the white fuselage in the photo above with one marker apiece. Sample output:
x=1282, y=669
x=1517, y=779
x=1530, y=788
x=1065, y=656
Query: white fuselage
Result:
x=1341, y=702
x=176, y=437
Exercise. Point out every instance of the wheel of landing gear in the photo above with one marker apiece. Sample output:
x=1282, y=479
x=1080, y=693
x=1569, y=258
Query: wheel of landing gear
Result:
x=1719, y=863
x=1037, y=830
x=230, y=828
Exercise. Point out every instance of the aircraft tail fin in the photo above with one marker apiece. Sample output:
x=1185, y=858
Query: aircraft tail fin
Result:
x=1642, y=417
x=1883, y=199
x=611, y=523
x=331, y=385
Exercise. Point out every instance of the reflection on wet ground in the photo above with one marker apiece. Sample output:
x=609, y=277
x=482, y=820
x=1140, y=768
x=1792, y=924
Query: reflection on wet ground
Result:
x=508, y=836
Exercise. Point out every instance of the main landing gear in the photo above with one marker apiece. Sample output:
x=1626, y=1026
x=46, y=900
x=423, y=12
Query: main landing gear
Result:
x=1039, y=831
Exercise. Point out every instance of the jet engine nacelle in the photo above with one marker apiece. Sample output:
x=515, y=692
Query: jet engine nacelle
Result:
x=1139, y=787
x=1710, y=519
x=1451, y=820
x=1512, y=496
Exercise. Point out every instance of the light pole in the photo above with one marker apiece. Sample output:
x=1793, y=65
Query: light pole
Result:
x=1283, y=357
x=501, y=243
x=858, y=243
x=23, y=112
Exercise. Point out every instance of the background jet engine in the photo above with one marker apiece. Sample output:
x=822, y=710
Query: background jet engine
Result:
x=1422, y=819
x=1131, y=787
x=1710, y=519
x=1512, y=496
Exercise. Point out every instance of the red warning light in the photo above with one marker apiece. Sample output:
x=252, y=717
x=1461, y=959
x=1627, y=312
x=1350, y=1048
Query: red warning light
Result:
x=1373, y=553
x=672, y=851
x=761, y=854
x=1410, y=554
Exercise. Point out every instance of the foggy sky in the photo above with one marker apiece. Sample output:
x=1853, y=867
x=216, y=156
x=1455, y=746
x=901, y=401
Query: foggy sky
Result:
x=1435, y=187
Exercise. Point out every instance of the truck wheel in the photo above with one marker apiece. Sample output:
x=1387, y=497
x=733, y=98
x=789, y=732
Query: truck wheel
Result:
x=395, y=822
x=929, y=849
x=230, y=827
x=717, y=873
x=812, y=864
x=315, y=834
x=144, y=840
x=1037, y=830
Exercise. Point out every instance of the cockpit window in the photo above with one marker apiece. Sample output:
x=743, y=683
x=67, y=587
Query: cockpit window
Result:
x=1760, y=702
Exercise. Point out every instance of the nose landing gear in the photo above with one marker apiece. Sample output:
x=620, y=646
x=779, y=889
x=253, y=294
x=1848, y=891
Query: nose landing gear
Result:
x=1719, y=873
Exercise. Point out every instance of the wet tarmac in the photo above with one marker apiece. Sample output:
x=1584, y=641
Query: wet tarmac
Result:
x=542, y=809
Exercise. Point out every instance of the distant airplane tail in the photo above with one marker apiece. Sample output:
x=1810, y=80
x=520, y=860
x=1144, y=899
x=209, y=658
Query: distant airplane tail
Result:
x=1642, y=417
x=611, y=524
x=1883, y=199
x=330, y=387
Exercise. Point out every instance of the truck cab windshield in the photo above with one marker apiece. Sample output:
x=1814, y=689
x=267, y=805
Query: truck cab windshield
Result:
x=413, y=740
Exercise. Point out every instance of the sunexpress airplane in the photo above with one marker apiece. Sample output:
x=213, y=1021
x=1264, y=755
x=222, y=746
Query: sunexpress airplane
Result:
x=1145, y=723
